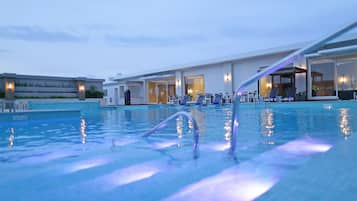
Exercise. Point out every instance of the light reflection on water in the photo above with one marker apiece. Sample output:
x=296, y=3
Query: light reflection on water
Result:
x=267, y=125
x=83, y=131
x=345, y=128
x=11, y=137
x=179, y=126
x=227, y=125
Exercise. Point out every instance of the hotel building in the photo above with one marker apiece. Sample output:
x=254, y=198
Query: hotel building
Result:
x=330, y=73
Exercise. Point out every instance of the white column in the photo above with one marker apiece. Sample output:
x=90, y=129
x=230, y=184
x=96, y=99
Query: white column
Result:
x=228, y=78
x=145, y=91
x=179, y=83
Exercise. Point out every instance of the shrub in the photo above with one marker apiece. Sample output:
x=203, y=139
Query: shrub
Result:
x=2, y=94
x=94, y=93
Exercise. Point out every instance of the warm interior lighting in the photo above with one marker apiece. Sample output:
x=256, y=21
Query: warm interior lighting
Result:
x=10, y=86
x=268, y=85
x=189, y=91
x=343, y=79
x=81, y=88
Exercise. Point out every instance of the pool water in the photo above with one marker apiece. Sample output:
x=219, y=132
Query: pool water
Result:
x=100, y=154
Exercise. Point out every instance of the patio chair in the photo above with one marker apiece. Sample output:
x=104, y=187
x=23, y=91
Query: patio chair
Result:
x=172, y=100
x=183, y=100
x=217, y=99
x=200, y=99
x=273, y=95
x=290, y=94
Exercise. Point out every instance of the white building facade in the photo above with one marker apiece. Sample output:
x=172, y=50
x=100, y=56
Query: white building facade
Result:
x=329, y=73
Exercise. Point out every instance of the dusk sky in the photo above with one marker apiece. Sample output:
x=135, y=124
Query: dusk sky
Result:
x=100, y=38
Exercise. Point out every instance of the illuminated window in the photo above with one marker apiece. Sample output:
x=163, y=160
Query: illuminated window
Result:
x=194, y=85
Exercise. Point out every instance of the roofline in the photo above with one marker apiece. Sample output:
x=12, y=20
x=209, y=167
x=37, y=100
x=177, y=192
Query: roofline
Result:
x=110, y=83
x=242, y=56
x=44, y=77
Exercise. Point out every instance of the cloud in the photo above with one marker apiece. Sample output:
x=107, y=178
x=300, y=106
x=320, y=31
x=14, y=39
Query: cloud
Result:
x=151, y=41
x=38, y=34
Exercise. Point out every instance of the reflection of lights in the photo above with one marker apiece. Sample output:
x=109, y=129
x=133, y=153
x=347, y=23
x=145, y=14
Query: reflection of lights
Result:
x=220, y=147
x=179, y=126
x=11, y=137
x=129, y=175
x=163, y=145
x=231, y=184
x=227, y=129
x=267, y=122
x=251, y=179
x=86, y=165
x=305, y=146
x=83, y=131
x=190, y=124
x=344, y=123
x=47, y=157
x=228, y=125
x=327, y=106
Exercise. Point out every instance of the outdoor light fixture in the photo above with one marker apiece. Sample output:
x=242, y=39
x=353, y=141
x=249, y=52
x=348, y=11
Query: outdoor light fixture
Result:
x=343, y=80
x=178, y=82
x=81, y=88
x=227, y=77
x=269, y=85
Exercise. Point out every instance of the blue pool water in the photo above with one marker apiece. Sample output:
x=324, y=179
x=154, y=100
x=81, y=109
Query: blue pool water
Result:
x=287, y=151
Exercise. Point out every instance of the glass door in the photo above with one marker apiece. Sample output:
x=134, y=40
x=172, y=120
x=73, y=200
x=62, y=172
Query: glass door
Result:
x=347, y=79
x=162, y=96
x=322, y=80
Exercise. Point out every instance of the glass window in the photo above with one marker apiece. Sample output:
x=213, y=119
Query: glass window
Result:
x=323, y=79
x=152, y=92
x=194, y=85
x=347, y=80
x=300, y=85
x=265, y=85
x=347, y=76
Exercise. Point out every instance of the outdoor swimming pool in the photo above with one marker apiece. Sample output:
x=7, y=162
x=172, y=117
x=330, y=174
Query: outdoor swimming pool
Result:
x=285, y=151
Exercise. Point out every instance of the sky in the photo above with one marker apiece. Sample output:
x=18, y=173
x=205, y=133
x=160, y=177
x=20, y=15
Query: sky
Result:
x=101, y=38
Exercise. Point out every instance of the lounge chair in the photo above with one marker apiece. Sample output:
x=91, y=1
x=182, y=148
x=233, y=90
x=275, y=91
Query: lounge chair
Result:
x=172, y=100
x=273, y=95
x=217, y=99
x=184, y=100
x=290, y=94
x=200, y=99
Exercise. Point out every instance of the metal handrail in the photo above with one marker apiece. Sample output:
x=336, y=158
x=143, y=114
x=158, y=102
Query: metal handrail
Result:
x=273, y=68
x=236, y=104
x=163, y=124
